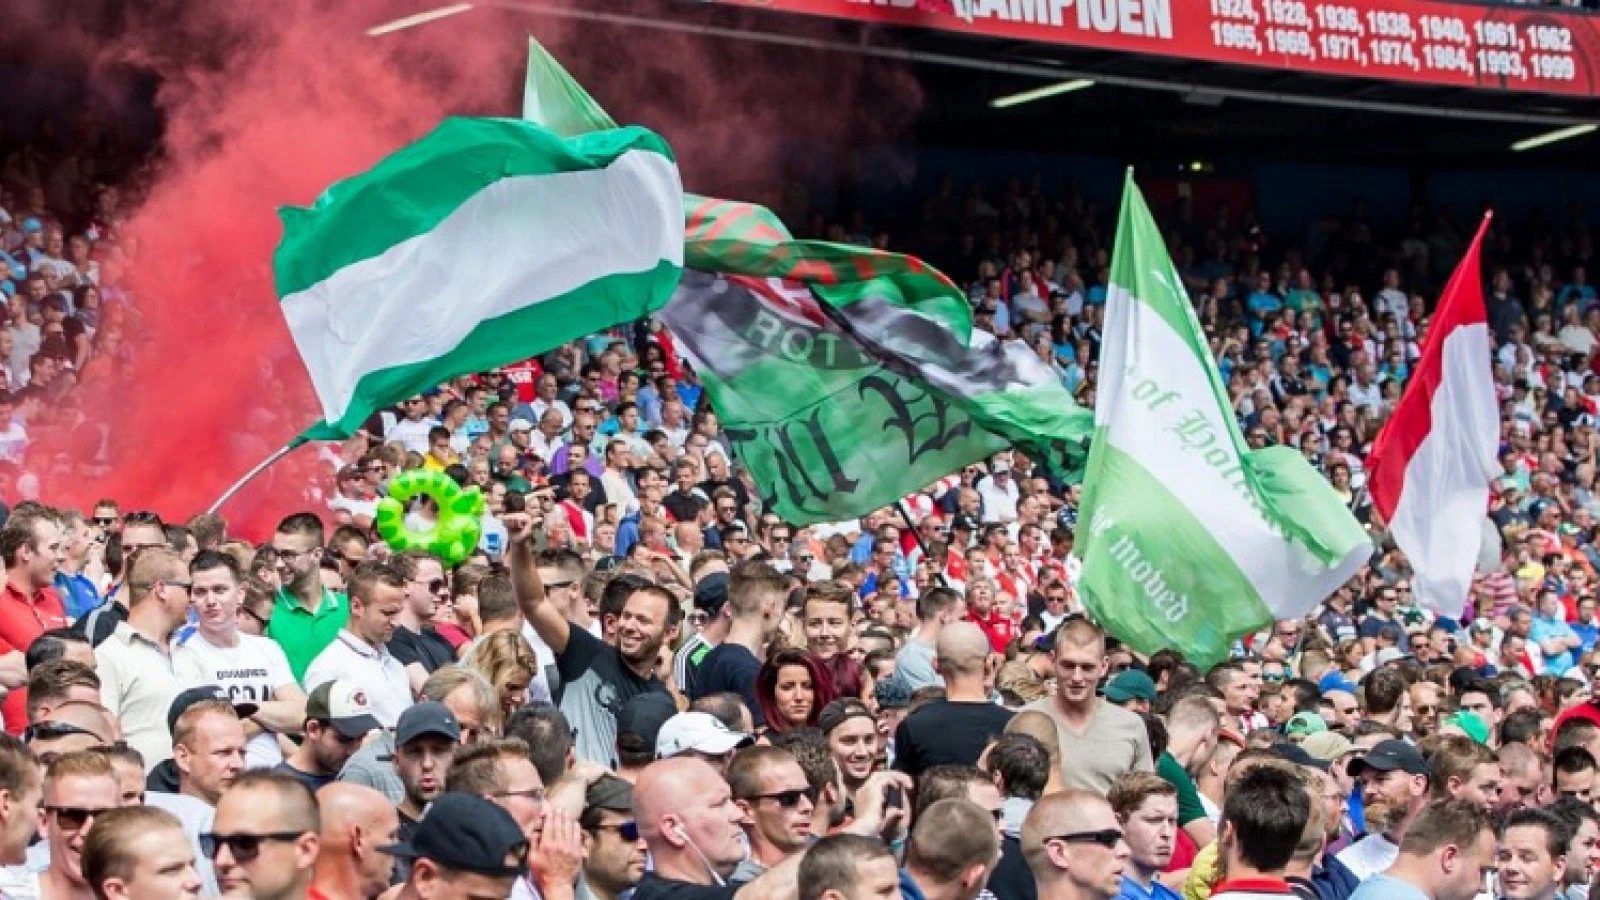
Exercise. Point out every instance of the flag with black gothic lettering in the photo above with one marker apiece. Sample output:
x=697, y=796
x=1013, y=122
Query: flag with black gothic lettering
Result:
x=1189, y=539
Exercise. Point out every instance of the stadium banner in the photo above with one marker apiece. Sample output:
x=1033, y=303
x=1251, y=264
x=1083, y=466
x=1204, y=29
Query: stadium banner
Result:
x=1474, y=45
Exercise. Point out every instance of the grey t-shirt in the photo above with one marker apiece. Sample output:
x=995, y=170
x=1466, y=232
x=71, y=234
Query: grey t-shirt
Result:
x=914, y=665
x=1113, y=743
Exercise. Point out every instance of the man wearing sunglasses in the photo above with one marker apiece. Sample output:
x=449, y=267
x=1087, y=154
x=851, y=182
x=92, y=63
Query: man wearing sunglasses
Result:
x=138, y=680
x=78, y=787
x=769, y=785
x=614, y=855
x=264, y=840
x=1074, y=845
x=416, y=644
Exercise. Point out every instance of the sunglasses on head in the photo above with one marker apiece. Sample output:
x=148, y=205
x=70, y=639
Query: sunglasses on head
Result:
x=75, y=818
x=52, y=730
x=1105, y=837
x=244, y=847
x=788, y=799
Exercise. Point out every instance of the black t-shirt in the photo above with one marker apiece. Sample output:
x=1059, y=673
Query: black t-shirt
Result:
x=426, y=648
x=652, y=887
x=595, y=683
x=945, y=733
x=402, y=865
x=1011, y=878
x=684, y=507
x=730, y=667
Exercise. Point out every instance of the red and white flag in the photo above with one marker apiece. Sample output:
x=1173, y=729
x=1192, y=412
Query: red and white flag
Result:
x=1432, y=464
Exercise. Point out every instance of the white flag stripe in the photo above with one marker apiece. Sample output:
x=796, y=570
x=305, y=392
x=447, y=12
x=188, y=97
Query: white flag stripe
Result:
x=420, y=298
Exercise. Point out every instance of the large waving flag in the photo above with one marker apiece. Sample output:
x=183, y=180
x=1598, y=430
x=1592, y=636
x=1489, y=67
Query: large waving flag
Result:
x=484, y=242
x=846, y=377
x=1434, y=460
x=1188, y=539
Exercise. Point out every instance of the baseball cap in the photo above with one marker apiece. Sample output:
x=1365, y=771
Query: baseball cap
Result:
x=1326, y=746
x=1389, y=756
x=182, y=702
x=1388, y=655
x=1296, y=754
x=1131, y=684
x=1307, y=723
x=609, y=792
x=427, y=717
x=644, y=714
x=467, y=833
x=841, y=711
x=520, y=425
x=345, y=705
x=711, y=593
x=700, y=732
x=963, y=523
x=1470, y=723
x=1335, y=681
x=32, y=225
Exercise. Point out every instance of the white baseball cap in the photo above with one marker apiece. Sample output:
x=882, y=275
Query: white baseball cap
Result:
x=700, y=732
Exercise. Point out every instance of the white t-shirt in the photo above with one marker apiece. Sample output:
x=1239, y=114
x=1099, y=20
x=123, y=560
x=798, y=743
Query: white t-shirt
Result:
x=1369, y=856
x=999, y=504
x=412, y=435
x=251, y=672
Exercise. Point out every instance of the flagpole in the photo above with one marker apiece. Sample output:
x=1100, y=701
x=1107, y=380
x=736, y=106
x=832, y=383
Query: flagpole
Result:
x=260, y=467
x=905, y=514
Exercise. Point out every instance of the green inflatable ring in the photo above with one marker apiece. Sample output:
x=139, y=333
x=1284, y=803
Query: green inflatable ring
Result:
x=453, y=537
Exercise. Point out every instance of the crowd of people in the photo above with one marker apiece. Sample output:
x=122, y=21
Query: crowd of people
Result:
x=645, y=683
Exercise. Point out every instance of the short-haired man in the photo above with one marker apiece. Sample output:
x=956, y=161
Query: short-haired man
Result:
x=769, y=785
x=208, y=749
x=849, y=867
x=138, y=680
x=1463, y=768
x=356, y=821
x=1394, y=779
x=1075, y=847
x=338, y=719
x=852, y=734
x=1147, y=807
x=1446, y=855
x=755, y=599
x=614, y=854
x=59, y=681
x=1099, y=740
x=466, y=695
x=915, y=663
x=139, y=853
x=952, y=850
x=1532, y=858
x=77, y=788
x=32, y=547
x=425, y=739
x=359, y=654
x=249, y=667
x=597, y=677
x=825, y=616
x=1263, y=819
x=465, y=847
x=265, y=838
x=1573, y=774
x=415, y=643
x=500, y=771
x=306, y=617
x=953, y=729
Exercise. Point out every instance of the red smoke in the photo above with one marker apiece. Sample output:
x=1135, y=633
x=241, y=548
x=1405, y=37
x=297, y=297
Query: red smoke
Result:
x=265, y=104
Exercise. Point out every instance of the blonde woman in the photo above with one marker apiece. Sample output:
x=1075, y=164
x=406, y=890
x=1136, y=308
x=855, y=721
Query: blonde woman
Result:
x=506, y=661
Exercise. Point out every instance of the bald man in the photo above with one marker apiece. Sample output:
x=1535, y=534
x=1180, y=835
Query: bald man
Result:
x=686, y=815
x=1073, y=844
x=356, y=821
x=70, y=727
x=955, y=729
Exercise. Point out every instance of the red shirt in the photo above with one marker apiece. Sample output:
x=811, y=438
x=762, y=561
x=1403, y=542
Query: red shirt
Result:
x=996, y=627
x=22, y=619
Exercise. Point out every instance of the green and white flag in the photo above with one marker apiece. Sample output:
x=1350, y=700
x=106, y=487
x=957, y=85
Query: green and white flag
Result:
x=485, y=242
x=1188, y=539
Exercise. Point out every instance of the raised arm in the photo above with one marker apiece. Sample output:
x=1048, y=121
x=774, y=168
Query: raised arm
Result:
x=550, y=623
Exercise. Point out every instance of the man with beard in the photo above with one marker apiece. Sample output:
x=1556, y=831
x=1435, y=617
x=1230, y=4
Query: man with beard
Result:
x=769, y=785
x=614, y=854
x=1147, y=807
x=1394, y=779
x=425, y=739
x=598, y=677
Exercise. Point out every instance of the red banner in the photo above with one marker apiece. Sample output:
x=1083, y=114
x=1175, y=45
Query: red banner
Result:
x=1518, y=48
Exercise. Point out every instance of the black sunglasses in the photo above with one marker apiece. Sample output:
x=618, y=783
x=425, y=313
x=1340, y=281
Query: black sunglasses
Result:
x=1108, y=838
x=49, y=731
x=74, y=818
x=244, y=847
x=628, y=831
x=788, y=799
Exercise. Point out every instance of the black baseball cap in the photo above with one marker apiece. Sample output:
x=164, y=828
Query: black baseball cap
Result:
x=963, y=523
x=427, y=717
x=644, y=714
x=1388, y=756
x=467, y=833
x=711, y=593
x=182, y=702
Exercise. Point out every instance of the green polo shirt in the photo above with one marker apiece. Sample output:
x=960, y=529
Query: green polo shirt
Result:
x=302, y=634
x=1189, y=807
